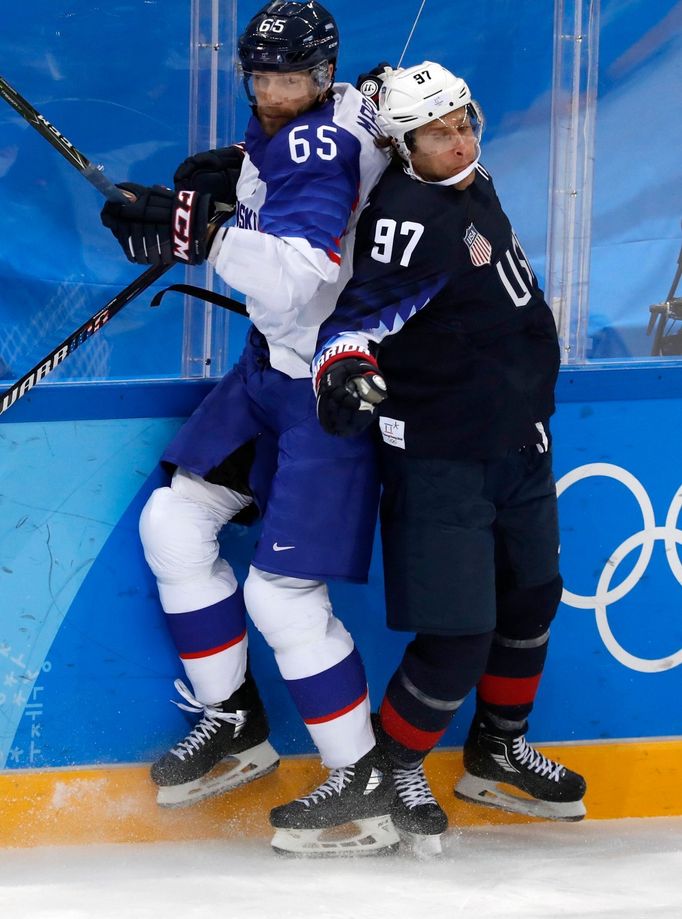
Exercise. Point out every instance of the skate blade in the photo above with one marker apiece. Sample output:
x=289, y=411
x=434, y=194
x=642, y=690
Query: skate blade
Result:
x=492, y=794
x=374, y=836
x=420, y=846
x=229, y=773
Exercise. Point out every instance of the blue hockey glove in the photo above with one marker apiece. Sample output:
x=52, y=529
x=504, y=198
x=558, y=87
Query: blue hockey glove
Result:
x=349, y=388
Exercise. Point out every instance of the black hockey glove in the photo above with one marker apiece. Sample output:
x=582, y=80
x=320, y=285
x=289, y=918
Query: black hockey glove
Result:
x=349, y=389
x=161, y=226
x=370, y=83
x=214, y=172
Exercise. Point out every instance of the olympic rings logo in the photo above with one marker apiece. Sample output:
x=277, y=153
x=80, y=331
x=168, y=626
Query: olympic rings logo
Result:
x=606, y=595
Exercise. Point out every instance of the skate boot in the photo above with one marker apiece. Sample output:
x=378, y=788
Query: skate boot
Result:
x=417, y=816
x=349, y=814
x=494, y=758
x=228, y=747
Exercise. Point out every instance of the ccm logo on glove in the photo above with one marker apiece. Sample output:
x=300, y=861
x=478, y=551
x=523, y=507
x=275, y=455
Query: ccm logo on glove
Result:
x=182, y=222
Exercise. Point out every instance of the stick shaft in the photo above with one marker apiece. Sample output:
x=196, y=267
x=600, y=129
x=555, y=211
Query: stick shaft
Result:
x=94, y=174
x=77, y=338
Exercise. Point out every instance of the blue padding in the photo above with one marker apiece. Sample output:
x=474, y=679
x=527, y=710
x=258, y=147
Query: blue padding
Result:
x=328, y=694
x=179, y=398
x=207, y=630
x=627, y=382
x=91, y=401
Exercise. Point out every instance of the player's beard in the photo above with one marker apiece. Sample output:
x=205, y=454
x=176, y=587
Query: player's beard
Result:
x=273, y=118
x=271, y=123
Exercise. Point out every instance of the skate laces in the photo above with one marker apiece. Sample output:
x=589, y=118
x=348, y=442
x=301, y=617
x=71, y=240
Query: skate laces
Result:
x=413, y=787
x=530, y=758
x=337, y=781
x=208, y=726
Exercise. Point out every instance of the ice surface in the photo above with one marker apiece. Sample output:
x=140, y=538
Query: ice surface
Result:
x=625, y=869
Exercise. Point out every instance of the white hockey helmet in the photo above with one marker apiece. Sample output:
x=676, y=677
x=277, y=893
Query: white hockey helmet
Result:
x=412, y=96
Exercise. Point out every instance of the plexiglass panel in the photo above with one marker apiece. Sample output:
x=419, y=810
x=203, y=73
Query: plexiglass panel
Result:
x=582, y=138
x=616, y=194
x=635, y=241
x=113, y=79
x=213, y=104
x=121, y=83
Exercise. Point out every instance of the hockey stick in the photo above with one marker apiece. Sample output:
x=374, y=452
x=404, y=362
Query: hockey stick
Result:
x=102, y=316
x=94, y=174
x=76, y=339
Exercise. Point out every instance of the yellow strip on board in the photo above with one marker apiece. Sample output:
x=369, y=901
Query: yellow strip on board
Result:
x=118, y=803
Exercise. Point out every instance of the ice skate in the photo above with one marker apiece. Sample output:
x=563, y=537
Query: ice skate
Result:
x=227, y=748
x=349, y=814
x=417, y=816
x=500, y=764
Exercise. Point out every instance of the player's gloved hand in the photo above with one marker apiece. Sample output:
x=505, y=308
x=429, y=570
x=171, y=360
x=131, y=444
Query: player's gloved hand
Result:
x=160, y=226
x=349, y=388
x=214, y=172
x=370, y=83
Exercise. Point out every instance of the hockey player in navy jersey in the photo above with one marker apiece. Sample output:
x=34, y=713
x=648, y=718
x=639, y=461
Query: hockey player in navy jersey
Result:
x=443, y=336
x=255, y=446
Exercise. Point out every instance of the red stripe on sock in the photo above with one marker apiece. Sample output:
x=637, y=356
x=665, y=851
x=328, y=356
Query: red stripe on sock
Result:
x=405, y=733
x=502, y=690
x=337, y=714
x=196, y=654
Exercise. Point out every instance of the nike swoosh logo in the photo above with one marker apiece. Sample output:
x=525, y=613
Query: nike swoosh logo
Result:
x=281, y=548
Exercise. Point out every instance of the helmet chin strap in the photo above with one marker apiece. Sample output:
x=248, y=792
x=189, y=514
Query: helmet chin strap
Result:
x=453, y=180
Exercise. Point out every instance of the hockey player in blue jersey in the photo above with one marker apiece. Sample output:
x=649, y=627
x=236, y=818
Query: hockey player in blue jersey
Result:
x=444, y=337
x=254, y=445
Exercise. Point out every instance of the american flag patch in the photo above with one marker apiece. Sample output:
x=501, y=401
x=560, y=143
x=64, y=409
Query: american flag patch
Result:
x=480, y=249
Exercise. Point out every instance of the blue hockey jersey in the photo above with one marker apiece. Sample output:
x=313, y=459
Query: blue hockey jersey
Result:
x=300, y=194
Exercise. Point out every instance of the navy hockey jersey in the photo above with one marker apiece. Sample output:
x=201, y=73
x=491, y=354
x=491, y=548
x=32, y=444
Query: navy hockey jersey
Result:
x=460, y=328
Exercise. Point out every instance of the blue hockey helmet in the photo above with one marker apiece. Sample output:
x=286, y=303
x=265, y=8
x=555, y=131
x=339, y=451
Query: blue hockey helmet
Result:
x=286, y=37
